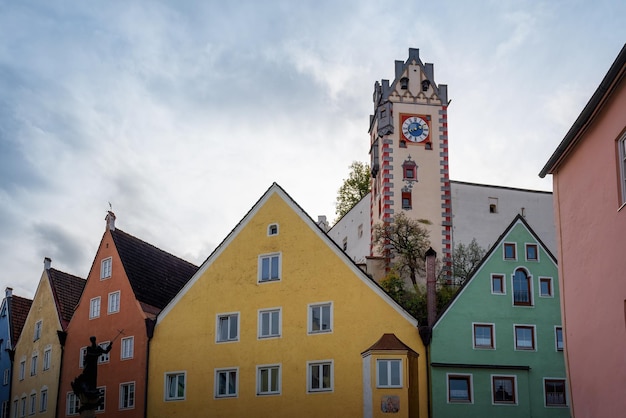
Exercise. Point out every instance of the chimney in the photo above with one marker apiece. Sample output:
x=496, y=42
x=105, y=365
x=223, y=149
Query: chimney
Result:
x=431, y=286
x=322, y=222
x=8, y=292
x=110, y=218
x=46, y=263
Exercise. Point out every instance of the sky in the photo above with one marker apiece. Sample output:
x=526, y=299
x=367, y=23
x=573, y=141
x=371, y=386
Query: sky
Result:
x=179, y=115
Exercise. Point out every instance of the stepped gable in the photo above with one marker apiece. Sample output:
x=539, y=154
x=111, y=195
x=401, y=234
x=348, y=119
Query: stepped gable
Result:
x=156, y=276
x=67, y=290
x=19, y=311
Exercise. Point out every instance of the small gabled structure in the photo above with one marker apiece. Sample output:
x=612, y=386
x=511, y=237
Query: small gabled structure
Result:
x=13, y=314
x=279, y=321
x=130, y=281
x=496, y=350
x=39, y=351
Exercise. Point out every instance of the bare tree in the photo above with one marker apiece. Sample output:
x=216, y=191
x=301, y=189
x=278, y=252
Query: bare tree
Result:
x=465, y=259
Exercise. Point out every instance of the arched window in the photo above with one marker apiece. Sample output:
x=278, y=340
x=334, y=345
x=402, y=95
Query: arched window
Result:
x=521, y=288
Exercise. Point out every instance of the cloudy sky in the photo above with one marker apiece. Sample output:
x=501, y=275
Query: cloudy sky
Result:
x=181, y=114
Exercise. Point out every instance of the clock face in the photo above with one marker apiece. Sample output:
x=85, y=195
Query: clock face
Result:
x=415, y=129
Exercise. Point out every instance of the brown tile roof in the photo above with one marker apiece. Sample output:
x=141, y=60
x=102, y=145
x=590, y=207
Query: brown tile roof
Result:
x=389, y=342
x=155, y=275
x=66, y=289
x=18, y=311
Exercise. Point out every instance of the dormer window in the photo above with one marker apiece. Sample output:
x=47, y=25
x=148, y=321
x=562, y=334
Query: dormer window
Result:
x=272, y=229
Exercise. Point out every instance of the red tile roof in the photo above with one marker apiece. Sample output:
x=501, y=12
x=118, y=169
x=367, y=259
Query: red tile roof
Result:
x=155, y=275
x=389, y=342
x=66, y=289
x=18, y=311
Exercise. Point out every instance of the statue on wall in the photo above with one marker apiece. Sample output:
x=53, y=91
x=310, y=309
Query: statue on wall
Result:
x=85, y=386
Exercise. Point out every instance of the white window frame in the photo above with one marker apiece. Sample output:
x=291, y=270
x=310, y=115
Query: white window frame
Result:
x=47, y=357
x=72, y=404
x=113, y=305
x=130, y=403
x=621, y=148
x=470, y=389
x=268, y=313
x=551, y=294
x=227, y=371
x=309, y=375
x=272, y=230
x=218, y=329
x=94, y=307
x=259, y=383
x=43, y=400
x=127, y=348
x=38, y=326
x=315, y=306
x=174, y=377
x=23, y=406
x=34, y=359
x=534, y=337
x=106, y=267
x=103, y=394
x=387, y=365
x=22, y=370
x=32, y=404
x=493, y=335
x=269, y=257
x=104, y=357
x=545, y=398
x=81, y=357
x=558, y=328
x=503, y=279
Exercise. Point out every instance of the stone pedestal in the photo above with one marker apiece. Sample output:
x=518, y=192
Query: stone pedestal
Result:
x=88, y=413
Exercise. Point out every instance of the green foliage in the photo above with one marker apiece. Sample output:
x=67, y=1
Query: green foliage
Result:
x=353, y=189
x=405, y=241
x=465, y=259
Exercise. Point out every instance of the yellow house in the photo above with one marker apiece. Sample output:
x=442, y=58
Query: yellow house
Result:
x=279, y=322
x=39, y=350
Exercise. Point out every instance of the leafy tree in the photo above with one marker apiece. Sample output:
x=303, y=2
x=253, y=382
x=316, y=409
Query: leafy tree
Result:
x=353, y=189
x=465, y=259
x=405, y=241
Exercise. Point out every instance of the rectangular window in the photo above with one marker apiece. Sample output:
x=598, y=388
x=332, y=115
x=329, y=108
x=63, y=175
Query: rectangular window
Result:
x=128, y=348
x=510, y=252
x=268, y=380
x=225, y=383
x=406, y=200
x=5, y=409
x=493, y=205
x=127, y=395
x=103, y=393
x=558, y=336
x=104, y=357
x=389, y=373
x=175, y=386
x=320, y=318
x=269, y=267
x=532, y=252
x=503, y=389
x=114, y=302
x=621, y=145
x=15, y=408
x=72, y=404
x=38, y=325
x=94, y=308
x=47, y=354
x=22, y=369
x=484, y=336
x=555, y=392
x=23, y=407
x=320, y=376
x=460, y=388
x=32, y=404
x=43, y=401
x=33, y=364
x=227, y=327
x=105, y=268
x=497, y=284
x=269, y=323
x=524, y=337
x=545, y=287
x=81, y=357
x=272, y=229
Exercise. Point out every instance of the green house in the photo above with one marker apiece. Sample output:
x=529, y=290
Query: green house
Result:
x=497, y=349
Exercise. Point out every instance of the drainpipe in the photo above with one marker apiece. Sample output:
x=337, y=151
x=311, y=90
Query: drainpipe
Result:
x=150, y=324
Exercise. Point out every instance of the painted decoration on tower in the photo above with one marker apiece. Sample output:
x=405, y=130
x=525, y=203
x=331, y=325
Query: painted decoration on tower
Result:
x=415, y=128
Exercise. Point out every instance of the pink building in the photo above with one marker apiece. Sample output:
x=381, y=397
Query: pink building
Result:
x=589, y=179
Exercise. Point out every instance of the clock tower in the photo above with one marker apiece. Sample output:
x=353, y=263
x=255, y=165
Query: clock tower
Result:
x=409, y=152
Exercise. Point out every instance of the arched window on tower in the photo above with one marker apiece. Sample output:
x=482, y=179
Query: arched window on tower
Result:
x=521, y=288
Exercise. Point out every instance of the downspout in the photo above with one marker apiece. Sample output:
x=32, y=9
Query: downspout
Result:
x=62, y=338
x=150, y=324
